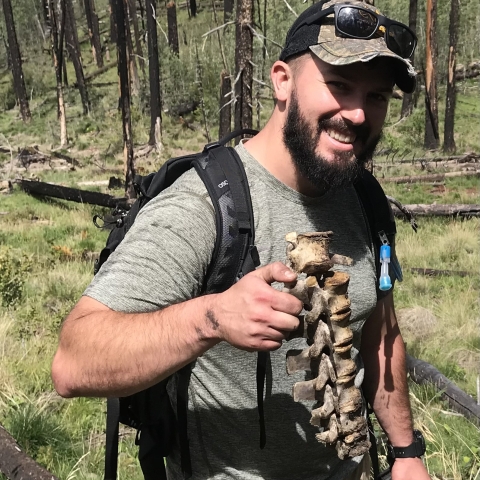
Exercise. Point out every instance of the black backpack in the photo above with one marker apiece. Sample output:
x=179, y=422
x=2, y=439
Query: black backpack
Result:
x=150, y=411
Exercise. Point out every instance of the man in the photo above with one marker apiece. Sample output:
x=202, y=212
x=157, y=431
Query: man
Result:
x=143, y=318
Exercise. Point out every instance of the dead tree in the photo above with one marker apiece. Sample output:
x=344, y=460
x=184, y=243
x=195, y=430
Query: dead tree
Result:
x=134, y=78
x=227, y=10
x=225, y=124
x=113, y=24
x=132, y=11
x=243, y=65
x=449, y=129
x=57, y=38
x=172, y=27
x=431, y=140
x=124, y=101
x=155, y=137
x=408, y=98
x=94, y=31
x=16, y=63
x=193, y=7
x=73, y=48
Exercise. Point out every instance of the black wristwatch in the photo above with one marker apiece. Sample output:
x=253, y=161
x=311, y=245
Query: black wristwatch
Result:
x=415, y=449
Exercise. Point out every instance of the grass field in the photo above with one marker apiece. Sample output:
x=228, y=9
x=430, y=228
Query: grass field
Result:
x=47, y=247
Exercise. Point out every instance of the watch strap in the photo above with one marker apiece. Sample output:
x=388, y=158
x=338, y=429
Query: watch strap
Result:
x=415, y=449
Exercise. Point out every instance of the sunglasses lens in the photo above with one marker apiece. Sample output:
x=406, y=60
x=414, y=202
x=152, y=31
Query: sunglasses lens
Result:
x=400, y=41
x=356, y=22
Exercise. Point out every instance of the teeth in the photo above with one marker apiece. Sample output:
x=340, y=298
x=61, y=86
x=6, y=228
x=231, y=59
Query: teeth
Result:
x=341, y=137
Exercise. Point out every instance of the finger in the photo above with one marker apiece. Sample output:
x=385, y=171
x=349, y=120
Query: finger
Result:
x=287, y=303
x=275, y=272
x=283, y=323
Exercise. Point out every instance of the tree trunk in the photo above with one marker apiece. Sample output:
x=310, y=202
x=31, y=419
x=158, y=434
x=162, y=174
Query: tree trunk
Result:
x=408, y=98
x=449, y=129
x=73, y=48
x=193, y=7
x=172, y=27
x=134, y=78
x=124, y=101
x=155, y=137
x=225, y=125
x=426, y=210
x=243, y=65
x=113, y=23
x=132, y=9
x=94, y=32
x=227, y=10
x=436, y=177
x=16, y=63
x=57, y=55
x=431, y=140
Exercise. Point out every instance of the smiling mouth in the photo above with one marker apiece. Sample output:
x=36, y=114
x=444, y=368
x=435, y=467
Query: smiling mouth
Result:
x=341, y=137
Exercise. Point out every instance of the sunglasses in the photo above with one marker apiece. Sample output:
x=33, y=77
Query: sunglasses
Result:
x=352, y=21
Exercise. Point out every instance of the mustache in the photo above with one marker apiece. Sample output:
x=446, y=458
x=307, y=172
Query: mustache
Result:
x=360, y=131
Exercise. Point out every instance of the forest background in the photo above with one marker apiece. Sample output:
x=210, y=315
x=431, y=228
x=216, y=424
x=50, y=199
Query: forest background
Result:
x=47, y=246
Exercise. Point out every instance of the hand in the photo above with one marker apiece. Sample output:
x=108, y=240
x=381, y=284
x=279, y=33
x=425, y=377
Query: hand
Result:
x=409, y=469
x=252, y=315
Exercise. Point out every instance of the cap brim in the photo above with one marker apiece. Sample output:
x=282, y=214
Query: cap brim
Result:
x=345, y=51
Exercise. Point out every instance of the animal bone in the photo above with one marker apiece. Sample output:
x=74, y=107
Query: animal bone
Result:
x=325, y=325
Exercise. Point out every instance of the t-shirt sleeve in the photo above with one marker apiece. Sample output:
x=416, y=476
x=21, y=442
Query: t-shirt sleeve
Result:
x=164, y=257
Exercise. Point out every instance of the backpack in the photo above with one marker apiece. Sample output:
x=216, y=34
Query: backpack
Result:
x=150, y=411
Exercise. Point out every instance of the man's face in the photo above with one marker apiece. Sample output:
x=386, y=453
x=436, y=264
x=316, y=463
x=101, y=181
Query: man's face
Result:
x=334, y=120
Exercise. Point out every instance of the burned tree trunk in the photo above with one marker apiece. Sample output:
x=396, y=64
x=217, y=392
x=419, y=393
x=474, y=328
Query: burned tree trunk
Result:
x=73, y=48
x=431, y=140
x=113, y=22
x=134, y=78
x=57, y=38
x=172, y=27
x=227, y=10
x=132, y=11
x=193, y=7
x=155, y=137
x=408, y=98
x=16, y=62
x=94, y=31
x=243, y=65
x=449, y=129
x=124, y=101
x=225, y=125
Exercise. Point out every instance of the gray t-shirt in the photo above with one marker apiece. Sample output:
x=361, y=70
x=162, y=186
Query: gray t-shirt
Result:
x=163, y=260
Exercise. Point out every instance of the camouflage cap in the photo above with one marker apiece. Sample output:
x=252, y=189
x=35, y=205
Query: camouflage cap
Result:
x=322, y=40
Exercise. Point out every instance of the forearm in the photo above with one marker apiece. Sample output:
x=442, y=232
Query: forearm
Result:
x=106, y=353
x=385, y=384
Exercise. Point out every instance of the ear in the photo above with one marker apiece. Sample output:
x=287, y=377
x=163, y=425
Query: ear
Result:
x=282, y=80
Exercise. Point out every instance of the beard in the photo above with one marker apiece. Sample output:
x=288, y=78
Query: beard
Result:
x=301, y=140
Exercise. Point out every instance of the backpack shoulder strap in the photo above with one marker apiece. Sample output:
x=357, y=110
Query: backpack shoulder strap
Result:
x=381, y=223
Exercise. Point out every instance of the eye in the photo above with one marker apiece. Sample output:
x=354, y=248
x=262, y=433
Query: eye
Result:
x=379, y=97
x=338, y=85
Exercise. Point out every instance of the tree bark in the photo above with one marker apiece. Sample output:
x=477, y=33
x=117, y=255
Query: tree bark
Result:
x=172, y=27
x=431, y=140
x=449, y=128
x=73, y=48
x=124, y=101
x=16, y=63
x=57, y=55
x=408, y=99
x=94, y=31
x=71, y=194
x=243, y=65
x=225, y=125
x=132, y=9
x=113, y=24
x=155, y=137
x=134, y=78
x=422, y=372
x=15, y=464
x=424, y=210
x=193, y=7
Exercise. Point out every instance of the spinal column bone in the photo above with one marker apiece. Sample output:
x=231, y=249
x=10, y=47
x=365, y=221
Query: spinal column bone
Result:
x=339, y=408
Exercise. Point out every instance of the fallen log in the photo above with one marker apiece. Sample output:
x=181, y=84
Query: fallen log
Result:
x=72, y=194
x=466, y=157
x=15, y=464
x=98, y=72
x=441, y=210
x=432, y=272
x=436, y=177
x=423, y=373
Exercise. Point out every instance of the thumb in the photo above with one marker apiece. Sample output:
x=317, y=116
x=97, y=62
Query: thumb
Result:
x=275, y=272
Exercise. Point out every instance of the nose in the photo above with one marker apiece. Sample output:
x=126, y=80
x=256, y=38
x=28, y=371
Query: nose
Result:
x=353, y=111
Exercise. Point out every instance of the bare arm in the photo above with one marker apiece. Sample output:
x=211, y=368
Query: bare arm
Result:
x=107, y=353
x=385, y=385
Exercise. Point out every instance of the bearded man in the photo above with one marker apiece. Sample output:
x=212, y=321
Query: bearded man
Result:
x=143, y=317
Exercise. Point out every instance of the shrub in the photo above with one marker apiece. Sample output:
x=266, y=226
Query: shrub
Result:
x=13, y=272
